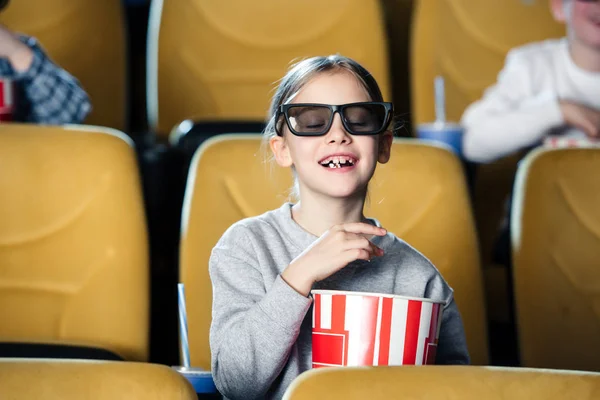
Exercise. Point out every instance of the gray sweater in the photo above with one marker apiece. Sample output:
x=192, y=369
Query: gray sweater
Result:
x=260, y=336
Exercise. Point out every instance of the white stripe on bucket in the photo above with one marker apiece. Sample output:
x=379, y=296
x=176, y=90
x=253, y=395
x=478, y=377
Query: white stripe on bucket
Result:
x=377, y=332
x=353, y=325
x=326, y=311
x=398, y=331
x=424, y=323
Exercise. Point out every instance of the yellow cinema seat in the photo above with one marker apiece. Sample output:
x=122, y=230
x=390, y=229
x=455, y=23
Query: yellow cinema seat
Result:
x=51, y=379
x=444, y=382
x=221, y=190
x=211, y=60
x=556, y=253
x=73, y=241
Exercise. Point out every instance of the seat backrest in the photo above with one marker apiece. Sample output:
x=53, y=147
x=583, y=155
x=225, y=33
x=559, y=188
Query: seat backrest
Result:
x=99, y=380
x=228, y=181
x=444, y=382
x=73, y=241
x=555, y=237
x=466, y=41
x=86, y=38
x=420, y=195
x=211, y=60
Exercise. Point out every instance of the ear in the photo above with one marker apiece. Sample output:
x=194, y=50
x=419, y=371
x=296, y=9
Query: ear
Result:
x=558, y=10
x=281, y=151
x=385, y=146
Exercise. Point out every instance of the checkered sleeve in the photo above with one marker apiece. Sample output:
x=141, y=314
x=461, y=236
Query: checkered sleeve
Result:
x=53, y=95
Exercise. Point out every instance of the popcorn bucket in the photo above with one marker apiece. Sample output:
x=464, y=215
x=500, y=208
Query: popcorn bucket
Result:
x=368, y=329
x=7, y=100
x=558, y=142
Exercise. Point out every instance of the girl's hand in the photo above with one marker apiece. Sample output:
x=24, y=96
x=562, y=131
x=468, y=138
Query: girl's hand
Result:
x=335, y=249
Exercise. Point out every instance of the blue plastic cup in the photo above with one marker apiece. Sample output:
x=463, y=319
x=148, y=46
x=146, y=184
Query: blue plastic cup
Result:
x=201, y=380
x=449, y=134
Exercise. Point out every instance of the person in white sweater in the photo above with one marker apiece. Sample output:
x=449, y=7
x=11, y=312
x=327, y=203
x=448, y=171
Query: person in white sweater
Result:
x=546, y=89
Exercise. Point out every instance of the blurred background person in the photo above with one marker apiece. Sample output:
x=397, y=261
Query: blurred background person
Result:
x=549, y=88
x=546, y=90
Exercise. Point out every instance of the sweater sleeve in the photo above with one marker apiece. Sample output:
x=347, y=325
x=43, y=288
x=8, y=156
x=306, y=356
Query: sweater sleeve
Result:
x=254, y=324
x=512, y=114
x=452, y=346
x=51, y=94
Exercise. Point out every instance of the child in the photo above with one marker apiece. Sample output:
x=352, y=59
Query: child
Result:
x=329, y=124
x=545, y=89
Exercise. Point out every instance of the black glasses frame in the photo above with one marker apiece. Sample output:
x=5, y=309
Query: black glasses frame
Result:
x=284, y=108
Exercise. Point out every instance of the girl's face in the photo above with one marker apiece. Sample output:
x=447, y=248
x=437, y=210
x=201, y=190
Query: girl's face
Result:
x=312, y=157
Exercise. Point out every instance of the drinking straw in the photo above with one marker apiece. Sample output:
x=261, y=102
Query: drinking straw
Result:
x=440, y=100
x=183, y=329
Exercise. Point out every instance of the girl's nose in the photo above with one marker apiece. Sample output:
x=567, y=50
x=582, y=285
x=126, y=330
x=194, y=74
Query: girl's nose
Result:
x=337, y=133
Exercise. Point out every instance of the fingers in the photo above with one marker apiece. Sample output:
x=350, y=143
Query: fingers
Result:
x=362, y=229
x=591, y=131
x=356, y=254
x=364, y=244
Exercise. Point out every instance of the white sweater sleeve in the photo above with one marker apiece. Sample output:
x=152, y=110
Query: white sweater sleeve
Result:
x=513, y=114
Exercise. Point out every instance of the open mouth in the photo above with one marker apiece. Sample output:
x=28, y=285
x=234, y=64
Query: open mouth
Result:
x=338, y=162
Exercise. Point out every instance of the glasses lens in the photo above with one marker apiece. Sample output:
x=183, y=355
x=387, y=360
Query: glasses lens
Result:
x=364, y=118
x=309, y=119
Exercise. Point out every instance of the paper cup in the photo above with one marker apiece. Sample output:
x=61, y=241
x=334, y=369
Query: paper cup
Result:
x=446, y=133
x=7, y=100
x=368, y=329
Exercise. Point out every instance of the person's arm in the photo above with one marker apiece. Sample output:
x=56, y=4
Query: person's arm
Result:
x=452, y=346
x=16, y=53
x=254, y=327
x=511, y=115
x=52, y=95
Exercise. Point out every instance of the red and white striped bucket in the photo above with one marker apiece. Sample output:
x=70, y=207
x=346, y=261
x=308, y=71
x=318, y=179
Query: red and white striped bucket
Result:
x=557, y=142
x=7, y=99
x=354, y=329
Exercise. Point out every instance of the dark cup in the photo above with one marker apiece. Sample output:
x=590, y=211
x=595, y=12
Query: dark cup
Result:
x=447, y=133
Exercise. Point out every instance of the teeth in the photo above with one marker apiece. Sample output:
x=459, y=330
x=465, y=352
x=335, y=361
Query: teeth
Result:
x=337, y=162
